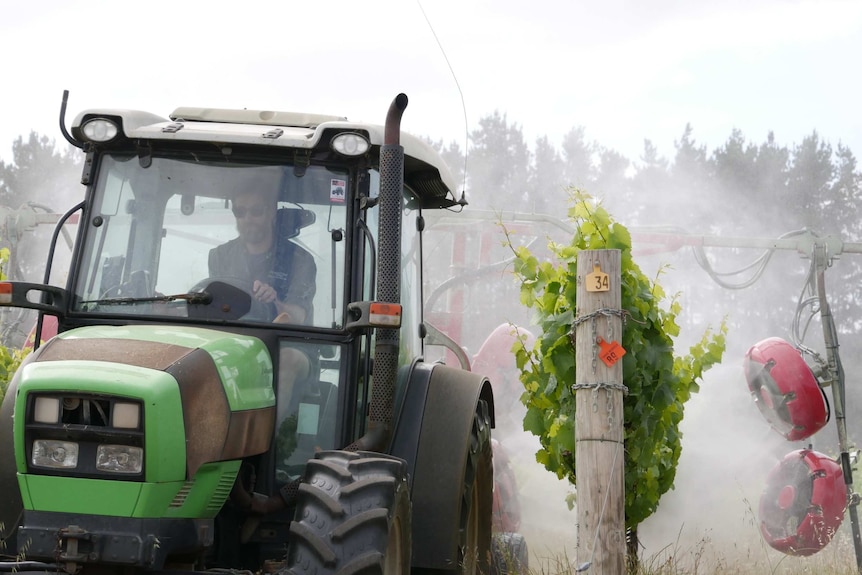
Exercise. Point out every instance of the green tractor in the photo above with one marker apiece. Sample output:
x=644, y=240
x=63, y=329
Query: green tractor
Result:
x=237, y=379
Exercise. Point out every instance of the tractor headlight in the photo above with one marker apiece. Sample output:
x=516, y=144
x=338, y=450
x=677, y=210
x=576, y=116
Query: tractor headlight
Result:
x=100, y=130
x=350, y=144
x=119, y=458
x=126, y=415
x=54, y=453
x=46, y=409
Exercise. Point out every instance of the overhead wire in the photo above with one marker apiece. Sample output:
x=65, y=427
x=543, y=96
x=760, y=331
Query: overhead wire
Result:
x=462, y=202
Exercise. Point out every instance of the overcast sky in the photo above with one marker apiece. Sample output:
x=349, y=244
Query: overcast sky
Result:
x=625, y=70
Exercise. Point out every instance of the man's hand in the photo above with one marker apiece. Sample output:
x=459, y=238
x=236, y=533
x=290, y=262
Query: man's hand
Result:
x=263, y=292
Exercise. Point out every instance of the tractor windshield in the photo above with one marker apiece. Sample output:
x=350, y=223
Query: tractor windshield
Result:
x=215, y=240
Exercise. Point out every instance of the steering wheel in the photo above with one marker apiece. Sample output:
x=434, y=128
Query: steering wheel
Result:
x=258, y=311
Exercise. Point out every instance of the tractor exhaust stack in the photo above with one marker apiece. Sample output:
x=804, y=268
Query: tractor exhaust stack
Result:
x=387, y=341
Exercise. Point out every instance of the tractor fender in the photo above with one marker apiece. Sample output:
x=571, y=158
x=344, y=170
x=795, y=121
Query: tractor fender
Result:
x=11, y=504
x=433, y=435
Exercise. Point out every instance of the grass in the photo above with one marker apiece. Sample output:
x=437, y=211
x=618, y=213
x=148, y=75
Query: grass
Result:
x=700, y=561
x=749, y=554
x=704, y=558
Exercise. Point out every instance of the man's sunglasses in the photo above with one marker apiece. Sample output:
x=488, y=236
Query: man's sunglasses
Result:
x=254, y=211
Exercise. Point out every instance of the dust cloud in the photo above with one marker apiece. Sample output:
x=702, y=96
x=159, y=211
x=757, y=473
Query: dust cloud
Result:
x=547, y=523
x=710, y=517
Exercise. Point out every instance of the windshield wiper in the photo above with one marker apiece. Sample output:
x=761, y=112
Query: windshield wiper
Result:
x=191, y=298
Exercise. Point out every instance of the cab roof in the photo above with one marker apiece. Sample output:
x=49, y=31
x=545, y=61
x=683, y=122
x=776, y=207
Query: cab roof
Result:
x=425, y=171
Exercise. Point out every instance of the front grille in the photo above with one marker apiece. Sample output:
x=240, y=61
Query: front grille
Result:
x=86, y=422
x=86, y=411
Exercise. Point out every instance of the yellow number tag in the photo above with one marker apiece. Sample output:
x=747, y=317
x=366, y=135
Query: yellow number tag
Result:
x=598, y=280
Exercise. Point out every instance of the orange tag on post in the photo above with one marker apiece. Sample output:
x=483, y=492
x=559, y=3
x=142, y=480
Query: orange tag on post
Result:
x=611, y=352
x=598, y=280
x=5, y=292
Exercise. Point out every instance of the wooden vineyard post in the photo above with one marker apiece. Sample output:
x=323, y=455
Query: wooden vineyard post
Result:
x=601, y=547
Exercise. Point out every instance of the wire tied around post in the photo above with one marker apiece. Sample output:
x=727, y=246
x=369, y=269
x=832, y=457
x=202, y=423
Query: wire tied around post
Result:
x=607, y=385
x=605, y=311
x=623, y=314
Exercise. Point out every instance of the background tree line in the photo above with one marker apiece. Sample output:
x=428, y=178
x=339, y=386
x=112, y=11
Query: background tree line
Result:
x=741, y=189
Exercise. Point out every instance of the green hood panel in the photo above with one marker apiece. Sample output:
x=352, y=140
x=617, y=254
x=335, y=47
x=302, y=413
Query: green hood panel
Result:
x=207, y=399
x=242, y=362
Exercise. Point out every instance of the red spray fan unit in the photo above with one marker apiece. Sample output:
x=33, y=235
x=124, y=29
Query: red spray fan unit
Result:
x=785, y=390
x=803, y=503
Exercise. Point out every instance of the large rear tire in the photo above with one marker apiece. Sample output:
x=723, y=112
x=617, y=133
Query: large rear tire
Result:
x=352, y=515
x=478, y=498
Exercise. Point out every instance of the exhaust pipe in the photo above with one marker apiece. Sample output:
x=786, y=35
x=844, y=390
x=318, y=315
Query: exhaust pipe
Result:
x=382, y=405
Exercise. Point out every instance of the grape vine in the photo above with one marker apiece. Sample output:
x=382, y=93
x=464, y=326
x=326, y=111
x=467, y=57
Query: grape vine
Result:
x=659, y=383
x=10, y=358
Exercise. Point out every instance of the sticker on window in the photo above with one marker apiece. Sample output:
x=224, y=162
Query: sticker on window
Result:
x=336, y=190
